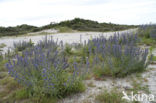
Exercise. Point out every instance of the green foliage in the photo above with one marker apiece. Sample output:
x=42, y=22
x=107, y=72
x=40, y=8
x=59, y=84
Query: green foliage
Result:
x=89, y=25
x=144, y=32
x=1, y=57
x=25, y=94
x=20, y=46
x=65, y=26
x=68, y=50
x=113, y=96
x=2, y=45
x=6, y=80
x=154, y=58
x=73, y=59
x=100, y=71
x=61, y=87
x=2, y=65
x=22, y=94
x=148, y=41
x=3, y=74
x=18, y=30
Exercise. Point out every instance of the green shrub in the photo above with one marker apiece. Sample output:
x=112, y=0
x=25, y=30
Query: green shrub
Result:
x=113, y=96
x=154, y=58
x=2, y=65
x=148, y=41
x=68, y=50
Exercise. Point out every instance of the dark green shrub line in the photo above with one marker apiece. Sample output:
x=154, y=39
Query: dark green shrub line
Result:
x=89, y=25
x=18, y=30
x=65, y=26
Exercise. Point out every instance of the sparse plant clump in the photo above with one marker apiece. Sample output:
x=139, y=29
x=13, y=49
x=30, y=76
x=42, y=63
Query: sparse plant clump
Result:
x=147, y=34
x=22, y=45
x=147, y=31
x=1, y=57
x=2, y=63
x=2, y=45
x=154, y=58
x=46, y=43
x=113, y=96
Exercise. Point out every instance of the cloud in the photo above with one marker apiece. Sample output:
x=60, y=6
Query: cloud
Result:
x=41, y=12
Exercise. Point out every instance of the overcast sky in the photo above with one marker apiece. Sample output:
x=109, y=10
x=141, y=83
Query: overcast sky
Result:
x=42, y=12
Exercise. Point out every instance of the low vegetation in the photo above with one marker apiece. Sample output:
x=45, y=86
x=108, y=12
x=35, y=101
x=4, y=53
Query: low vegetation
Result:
x=22, y=45
x=147, y=33
x=18, y=30
x=113, y=96
x=65, y=26
x=2, y=45
x=154, y=58
x=89, y=25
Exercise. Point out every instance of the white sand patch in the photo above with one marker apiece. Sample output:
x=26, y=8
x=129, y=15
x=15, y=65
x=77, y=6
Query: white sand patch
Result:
x=65, y=37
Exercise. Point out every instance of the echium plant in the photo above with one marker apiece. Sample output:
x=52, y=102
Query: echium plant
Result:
x=100, y=44
x=48, y=43
x=46, y=71
x=117, y=56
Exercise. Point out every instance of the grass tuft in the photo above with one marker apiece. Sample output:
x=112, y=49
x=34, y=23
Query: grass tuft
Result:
x=113, y=96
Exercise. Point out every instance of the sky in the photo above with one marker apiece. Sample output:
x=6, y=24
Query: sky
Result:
x=42, y=12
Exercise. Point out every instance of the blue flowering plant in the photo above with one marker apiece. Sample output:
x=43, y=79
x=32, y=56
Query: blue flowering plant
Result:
x=117, y=56
x=45, y=71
